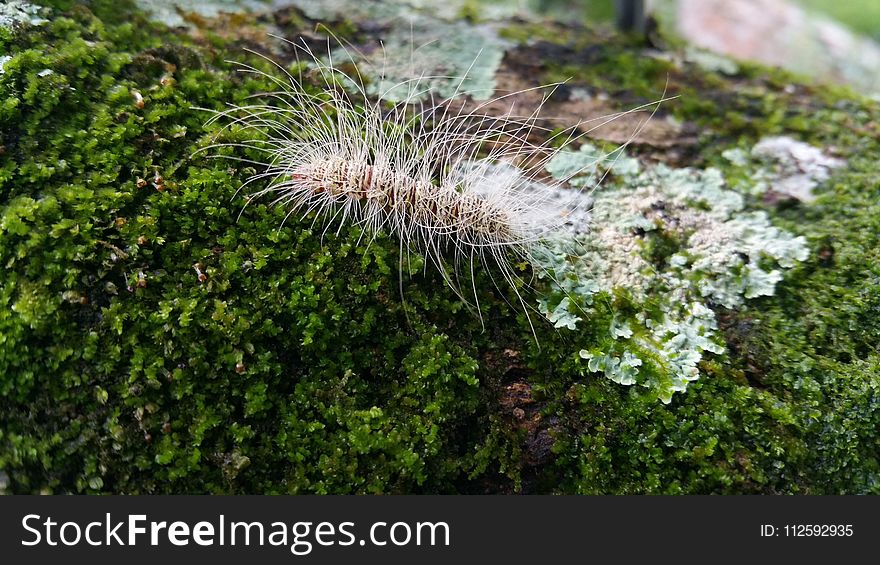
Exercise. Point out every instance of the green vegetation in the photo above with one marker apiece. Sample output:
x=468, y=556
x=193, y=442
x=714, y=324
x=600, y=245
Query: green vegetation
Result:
x=294, y=365
x=584, y=10
x=860, y=15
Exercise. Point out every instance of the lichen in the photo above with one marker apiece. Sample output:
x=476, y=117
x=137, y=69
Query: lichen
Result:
x=421, y=57
x=14, y=12
x=172, y=12
x=584, y=168
x=675, y=237
x=785, y=166
x=387, y=10
x=709, y=61
x=356, y=10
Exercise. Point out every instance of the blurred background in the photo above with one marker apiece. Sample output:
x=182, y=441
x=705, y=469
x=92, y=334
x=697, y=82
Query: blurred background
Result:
x=828, y=40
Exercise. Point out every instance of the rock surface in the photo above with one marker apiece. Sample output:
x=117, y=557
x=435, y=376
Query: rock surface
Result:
x=163, y=333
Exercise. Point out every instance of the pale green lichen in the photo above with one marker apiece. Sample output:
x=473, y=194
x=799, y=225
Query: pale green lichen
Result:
x=674, y=346
x=712, y=62
x=383, y=10
x=583, y=168
x=448, y=58
x=16, y=12
x=668, y=341
x=786, y=166
x=422, y=57
x=172, y=12
x=674, y=237
x=721, y=250
x=422, y=54
x=358, y=10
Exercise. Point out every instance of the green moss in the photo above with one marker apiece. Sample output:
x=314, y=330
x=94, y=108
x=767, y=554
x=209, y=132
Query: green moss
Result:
x=296, y=366
x=125, y=372
x=605, y=72
x=524, y=32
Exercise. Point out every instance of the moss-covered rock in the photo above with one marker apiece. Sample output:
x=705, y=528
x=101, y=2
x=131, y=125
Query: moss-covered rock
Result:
x=157, y=335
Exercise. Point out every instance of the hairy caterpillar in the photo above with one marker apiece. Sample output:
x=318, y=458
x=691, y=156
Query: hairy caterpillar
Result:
x=451, y=183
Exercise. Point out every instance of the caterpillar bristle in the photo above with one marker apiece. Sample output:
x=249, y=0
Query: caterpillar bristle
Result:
x=452, y=184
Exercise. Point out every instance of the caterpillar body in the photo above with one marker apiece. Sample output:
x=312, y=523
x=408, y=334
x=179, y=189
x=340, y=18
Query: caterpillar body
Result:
x=447, y=183
x=437, y=210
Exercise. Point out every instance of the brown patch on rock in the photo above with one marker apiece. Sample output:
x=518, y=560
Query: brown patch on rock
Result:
x=558, y=107
x=521, y=411
x=524, y=413
x=738, y=330
x=241, y=28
